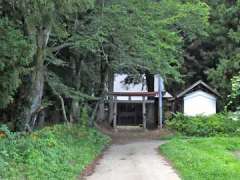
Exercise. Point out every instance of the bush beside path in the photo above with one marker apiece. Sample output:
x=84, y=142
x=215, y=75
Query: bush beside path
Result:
x=57, y=152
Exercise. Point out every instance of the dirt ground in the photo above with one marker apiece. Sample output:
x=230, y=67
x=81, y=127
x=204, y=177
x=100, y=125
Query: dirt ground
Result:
x=133, y=155
x=128, y=134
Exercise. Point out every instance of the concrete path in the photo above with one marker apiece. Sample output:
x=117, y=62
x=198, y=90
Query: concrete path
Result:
x=138, y=160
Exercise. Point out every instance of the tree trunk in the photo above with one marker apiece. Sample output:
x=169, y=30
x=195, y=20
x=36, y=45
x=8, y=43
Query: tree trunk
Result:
x=33, y=99
x=101, y=91
x=101, y=113
x=150, y=81
x=75, y=106
x=75, y=110
x=110, y=89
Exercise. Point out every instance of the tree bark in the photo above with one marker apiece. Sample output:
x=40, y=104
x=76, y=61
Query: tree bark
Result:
x=149, y=81
x=33, y=99
x=110, y=89
x=75, y=106
x=102, y=88
x=94, y=113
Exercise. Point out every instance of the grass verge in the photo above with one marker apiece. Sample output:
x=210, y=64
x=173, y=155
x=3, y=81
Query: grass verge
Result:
x=204, y=158
x=60, y=152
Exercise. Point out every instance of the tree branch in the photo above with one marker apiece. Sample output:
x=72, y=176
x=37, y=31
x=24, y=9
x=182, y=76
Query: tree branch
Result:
x=60, y=47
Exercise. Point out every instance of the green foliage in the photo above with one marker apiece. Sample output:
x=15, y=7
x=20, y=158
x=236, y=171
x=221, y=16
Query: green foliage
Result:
x=204, y=158
x=58, y=87
x=214, y=58
x=218, y=124
x=235, y=92
x=149, y=32
x=58, y=152
x=236, y=86
x=224, y=38
x=15, y=56
x=79, y=43
x=5, y=131
x=50, y=14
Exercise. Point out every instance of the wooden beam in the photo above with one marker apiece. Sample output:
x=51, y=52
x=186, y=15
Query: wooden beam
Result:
x=134, y=101
x=149, y=94
x=115, y=113
x=144, y=114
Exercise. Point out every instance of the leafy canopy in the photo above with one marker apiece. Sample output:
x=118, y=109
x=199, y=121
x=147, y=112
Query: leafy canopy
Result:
x=150, y=33
x=15, y=56
x=225, y=38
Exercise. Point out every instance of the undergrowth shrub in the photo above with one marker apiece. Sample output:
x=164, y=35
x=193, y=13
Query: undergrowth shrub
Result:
x=84, y=118
x=59, y=152
x=4, y=131
x=218, y=124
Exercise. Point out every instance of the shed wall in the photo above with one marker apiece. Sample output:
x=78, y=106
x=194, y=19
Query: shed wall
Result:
x=199, y=102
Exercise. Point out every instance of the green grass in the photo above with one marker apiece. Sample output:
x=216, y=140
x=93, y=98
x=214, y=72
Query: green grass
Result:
x=204, y=158
x=58, y=152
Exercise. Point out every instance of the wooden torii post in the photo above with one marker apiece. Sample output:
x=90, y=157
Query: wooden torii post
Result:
x=144, y=115
x=160, y=102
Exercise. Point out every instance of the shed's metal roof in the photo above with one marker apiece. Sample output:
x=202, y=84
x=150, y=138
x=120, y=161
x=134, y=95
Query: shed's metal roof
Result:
x=200, y=82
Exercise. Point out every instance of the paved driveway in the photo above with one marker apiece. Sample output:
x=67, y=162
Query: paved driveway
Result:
x=138, y=160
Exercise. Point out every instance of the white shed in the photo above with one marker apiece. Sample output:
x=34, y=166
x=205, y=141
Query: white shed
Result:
x=199, y=99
